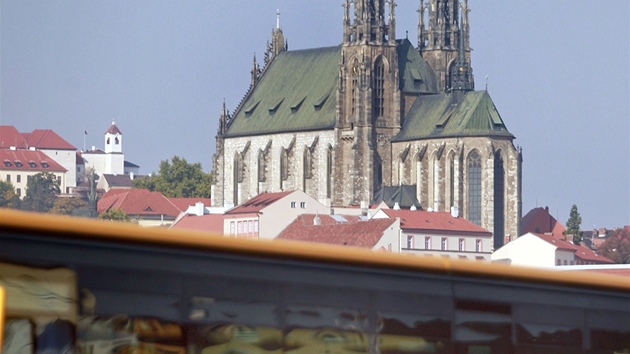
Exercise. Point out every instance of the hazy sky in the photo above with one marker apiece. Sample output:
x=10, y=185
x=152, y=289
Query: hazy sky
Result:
x=558, y=71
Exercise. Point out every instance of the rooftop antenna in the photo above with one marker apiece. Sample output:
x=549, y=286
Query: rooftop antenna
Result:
x=486, y=82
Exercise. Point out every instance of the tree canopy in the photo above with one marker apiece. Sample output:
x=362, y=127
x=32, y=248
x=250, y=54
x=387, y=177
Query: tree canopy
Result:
x=178, y=179
x=42, y=190
x=8, y=197
x=617, y=247
x=69, y=206
x=115, y=215
x=573, y=225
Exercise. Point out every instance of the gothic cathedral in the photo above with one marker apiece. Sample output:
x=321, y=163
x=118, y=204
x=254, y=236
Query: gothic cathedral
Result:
x=342, y=123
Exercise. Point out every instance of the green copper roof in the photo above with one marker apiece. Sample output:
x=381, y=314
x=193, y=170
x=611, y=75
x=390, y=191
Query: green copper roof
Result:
x=297, y=92
x=416, y=76
x=454, y=114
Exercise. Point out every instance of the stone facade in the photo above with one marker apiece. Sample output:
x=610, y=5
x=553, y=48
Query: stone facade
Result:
x=382, y=87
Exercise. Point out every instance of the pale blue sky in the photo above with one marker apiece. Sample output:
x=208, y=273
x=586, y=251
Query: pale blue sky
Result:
x=558, y=73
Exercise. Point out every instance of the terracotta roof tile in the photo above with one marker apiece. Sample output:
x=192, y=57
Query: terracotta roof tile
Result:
x=28, y=160
x=9, y=136
x=582, y=253
x=258, y=203
x=212, y=223
x=353, y=232
x=47, y=139
x=118, y=180
x=113, y=129
x=538, y=220
x=434, y=221
x=137, y=202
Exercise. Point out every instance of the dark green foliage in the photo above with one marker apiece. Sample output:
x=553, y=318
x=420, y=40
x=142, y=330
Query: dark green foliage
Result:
x=42, y=190
x=573, y=225
x=69, y=206
x=178, y=179
x=8, y=197
x=115, y=215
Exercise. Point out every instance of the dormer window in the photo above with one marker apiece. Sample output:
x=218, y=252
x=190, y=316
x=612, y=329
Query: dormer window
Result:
x=7, y=163
x=32, y=164
x=44, y=164
x=18, y=163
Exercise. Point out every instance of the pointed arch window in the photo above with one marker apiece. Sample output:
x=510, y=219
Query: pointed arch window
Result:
x=379, y=88
x=474, y=187
x=262, y=166
x=284, y=165
x=238, y=177
x=354, y=85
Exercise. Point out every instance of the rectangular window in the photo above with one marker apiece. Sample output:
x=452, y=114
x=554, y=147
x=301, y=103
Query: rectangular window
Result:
x=232, y=227
x=250, y=228
x=478, y=246
x=18, y=178
x=444, y=243
x=256, y=226
x=409, y=242
x=427, y=243
x=240, y=228
x=8, y=178
x=462, y=244
x=303, y=205
x=293, y=205
x=18, y=192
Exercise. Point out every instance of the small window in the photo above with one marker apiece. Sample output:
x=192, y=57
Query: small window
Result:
x=256, y=226
x=292, y=205
x=462, y=245
x=478, y=245
x=32, y=164
x=303, y=205
x=18, y=191
x=427, y=243
x=18, y=178
x=44, y=164
x=240, y=228
x=444, y=243
x=18, y=163
x=410, y=242
x=8, y=178
x=250, y=227
x=7, y=163
x=232, y=227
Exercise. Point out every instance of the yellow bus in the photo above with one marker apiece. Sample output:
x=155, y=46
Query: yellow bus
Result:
x=77, y=285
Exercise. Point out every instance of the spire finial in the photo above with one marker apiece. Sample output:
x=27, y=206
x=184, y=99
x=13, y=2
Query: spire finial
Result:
x=278, y=18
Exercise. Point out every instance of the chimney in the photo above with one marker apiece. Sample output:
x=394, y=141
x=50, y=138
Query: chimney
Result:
x=364, y=208
x=199, y=208
x=396, y=206
x=317, y=220
x=454, y=212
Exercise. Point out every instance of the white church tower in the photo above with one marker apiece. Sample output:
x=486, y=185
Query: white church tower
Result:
x=113, y=139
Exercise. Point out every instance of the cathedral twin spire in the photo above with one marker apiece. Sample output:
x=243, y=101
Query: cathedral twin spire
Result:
x=369, y=22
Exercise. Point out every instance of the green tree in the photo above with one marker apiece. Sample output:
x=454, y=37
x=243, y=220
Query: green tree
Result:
x=42, y=190
x=178, y=179
x=8, y=197
x=617, y=247
x=115, y=215
x=573, y=225
x=69, y=206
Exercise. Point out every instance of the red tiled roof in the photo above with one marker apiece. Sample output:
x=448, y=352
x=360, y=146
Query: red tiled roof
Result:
x=183, y=203
x=538, y=220
x=258, y=203
x=212, y=223
x=580, y=252
x=434, y=221
x=355, y=233
x=47, y=139
x=9, y=136
x=624, y=272
x=137, y=202
x=113, y=129
x=29, y=160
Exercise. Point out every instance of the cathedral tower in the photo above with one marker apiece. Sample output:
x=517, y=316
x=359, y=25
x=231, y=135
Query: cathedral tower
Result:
x=368, y=100
x=440, y=35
